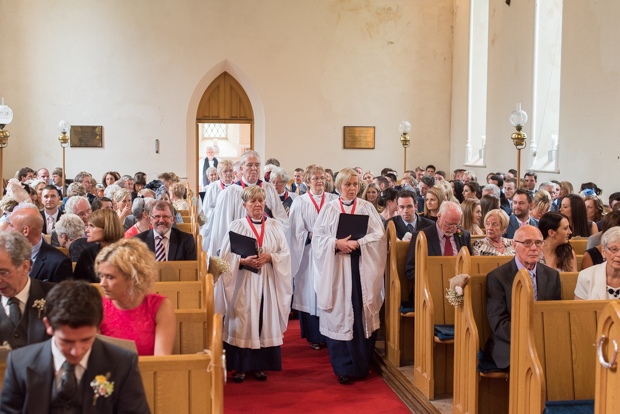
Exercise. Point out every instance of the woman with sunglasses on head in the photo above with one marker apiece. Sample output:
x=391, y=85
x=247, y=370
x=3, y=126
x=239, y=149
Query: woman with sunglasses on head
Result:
x=303, y=215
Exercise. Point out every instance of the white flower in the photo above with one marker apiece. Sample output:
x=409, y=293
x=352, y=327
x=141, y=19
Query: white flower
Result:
x=458, y=290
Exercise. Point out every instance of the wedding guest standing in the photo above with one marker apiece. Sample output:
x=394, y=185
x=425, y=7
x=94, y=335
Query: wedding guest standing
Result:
x=302, y=217
x=346, y=268
x=258, y=304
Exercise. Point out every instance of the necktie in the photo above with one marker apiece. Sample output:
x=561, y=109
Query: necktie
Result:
x=50, y=224
x=410, y=228
x=447, y=251
x=68, y=382
x=523, y=223
x=16, y=313
x=160, y=251
x=535, y=286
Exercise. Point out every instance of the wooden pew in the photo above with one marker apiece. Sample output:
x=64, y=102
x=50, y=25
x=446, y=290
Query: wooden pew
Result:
x=64, y=251
x=186, y=227
x=398, y=326
x=606, y=399
x=433, y=359
x=186, y=383
x=184, y=213
x=475, y=392
x=552, y=357
x=579, y=245
x=184, y=270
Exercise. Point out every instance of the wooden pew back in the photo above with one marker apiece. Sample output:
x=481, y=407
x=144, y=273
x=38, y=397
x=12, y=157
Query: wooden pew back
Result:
x=178, y=271
x=552, y=354
x=607, y=379
x=579, y=245
x=186, y=227
x=433, y=366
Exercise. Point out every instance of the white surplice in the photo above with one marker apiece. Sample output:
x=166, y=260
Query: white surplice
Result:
x=243, y=290
x=208, y=205
x=302, y=216
x=333, y=272
x=229, y=207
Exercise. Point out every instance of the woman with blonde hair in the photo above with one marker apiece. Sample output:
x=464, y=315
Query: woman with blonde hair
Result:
x=447, y=190
x=103, y=229
x=177, y=192
x=371, y=194
x=128, y=271
x=472, y=214
x=432, y=202
x=122, y=201
x=542, y=203
x=496, y=222
x=469, y=176
x=566, y=188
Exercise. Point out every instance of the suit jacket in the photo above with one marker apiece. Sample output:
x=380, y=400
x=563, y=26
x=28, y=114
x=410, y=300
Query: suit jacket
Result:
x=401, y=229
x=51, y=265
x=513, y=225
x=45, y=229
x=181, y=245
x=420, y=201
x=499, y=305
x=35, y=331
x=303, y=188
x=29, y=376
x=434, y=248
x=504, y=204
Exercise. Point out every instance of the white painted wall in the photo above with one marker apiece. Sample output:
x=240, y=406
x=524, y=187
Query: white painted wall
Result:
x=589, y=97
x=139, y=69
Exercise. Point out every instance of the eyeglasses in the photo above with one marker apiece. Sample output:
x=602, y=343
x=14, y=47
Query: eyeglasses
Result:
x=528, y=243
x=492, y=225
x=6, y=273
x=613, y=250
x=84, y=213
x=162, y=217
x=317, y=179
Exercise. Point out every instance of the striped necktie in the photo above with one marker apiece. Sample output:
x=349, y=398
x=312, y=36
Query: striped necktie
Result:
x=160, y=251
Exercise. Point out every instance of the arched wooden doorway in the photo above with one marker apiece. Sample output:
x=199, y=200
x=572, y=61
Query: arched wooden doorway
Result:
x=224, y=102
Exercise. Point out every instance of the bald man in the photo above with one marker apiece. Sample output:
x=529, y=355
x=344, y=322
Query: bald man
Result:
x=49, y=264
x=528, y=242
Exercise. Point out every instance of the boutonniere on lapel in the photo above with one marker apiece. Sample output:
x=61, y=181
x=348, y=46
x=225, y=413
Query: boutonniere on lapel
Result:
x=102, y=387
x=39, y=304
x=458, y=232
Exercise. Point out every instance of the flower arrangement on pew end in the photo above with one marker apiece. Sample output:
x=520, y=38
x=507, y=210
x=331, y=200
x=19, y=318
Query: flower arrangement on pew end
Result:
x=218, y=267
x=455, y=291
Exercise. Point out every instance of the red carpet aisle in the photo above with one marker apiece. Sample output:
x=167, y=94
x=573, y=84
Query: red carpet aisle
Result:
x=307, y=384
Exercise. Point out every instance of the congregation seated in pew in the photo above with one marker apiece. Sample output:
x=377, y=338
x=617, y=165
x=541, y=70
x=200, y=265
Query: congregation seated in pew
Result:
x=407, y=220
x=69, y=229
x=528, y=242
x=128, y=271
x=557, y=252
x=594, y=255
x=141, y=216
x=493, y=244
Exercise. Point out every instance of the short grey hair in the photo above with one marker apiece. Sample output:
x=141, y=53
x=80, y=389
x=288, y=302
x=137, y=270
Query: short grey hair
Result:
x=496, y=191
x=449, y=205
x=611, y=236
x=71, y=225
x=237, y=166
x=73, y=202
x=211, y=169
x=280, y=173
x=76, y=189
x=249, y=153
x=545, y=185
x=110, y=190
x=17, y=246
x=140, y=205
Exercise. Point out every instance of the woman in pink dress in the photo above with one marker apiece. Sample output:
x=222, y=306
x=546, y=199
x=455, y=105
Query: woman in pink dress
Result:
x=128, y=271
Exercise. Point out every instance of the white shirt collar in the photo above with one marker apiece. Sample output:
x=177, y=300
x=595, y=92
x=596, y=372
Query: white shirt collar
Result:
x=22, y=296
x=60, y=359
x=166, y=234
x=55, y=215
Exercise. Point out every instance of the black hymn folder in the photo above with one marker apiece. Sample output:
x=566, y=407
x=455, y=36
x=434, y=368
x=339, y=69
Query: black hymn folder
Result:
x=244, y=246
x=354, y=225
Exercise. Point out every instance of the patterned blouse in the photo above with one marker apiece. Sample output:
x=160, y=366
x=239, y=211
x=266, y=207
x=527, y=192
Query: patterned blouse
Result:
x=483, y=247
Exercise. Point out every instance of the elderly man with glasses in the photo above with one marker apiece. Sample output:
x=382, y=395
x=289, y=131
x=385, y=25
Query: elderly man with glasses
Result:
x=168, y=244
x=528, y=242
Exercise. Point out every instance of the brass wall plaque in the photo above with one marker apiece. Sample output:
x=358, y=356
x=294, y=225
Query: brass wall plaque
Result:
x=86, y=136
x=357, y=137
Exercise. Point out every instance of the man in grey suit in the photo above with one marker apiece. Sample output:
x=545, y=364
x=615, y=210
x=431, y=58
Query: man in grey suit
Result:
x=20, y=318
x=522, y=203
x=528, y=242
x=57, y=376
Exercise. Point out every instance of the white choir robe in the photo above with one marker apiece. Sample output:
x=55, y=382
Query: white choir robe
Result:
x=243, y=290
x=333, y=272
x=213, y=190
x=229, y=207
x=302, y=217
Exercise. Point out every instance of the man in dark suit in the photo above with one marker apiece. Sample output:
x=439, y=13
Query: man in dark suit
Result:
x=168, y=243
x=50, y=214
x=528, y=242
x=425, y=183
x=49, y=264
x=503, y=201
x=55, y=376
x=445, y=238
x=20, y=318
x=521, y=205
x=407, y=220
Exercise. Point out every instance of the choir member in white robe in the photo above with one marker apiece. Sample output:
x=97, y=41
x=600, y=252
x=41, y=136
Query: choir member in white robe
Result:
x=349, y=286
x=229, y=206
x=226, y=174
x=258, y=303
x=279, y=177
x=302, y=217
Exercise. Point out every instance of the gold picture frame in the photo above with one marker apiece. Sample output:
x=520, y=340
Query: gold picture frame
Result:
x=86, y=136
x=358, y=137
